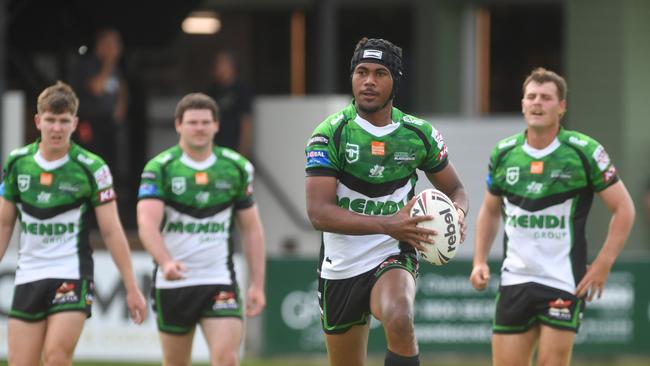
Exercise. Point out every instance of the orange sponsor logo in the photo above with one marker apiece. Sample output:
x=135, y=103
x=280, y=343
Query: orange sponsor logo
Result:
x=537, y=167
x=378, y=148
x=201, y=178
x=46, y=179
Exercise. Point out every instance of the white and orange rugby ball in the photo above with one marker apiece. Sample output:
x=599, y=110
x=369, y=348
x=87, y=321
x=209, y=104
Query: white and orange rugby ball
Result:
x=434, y=203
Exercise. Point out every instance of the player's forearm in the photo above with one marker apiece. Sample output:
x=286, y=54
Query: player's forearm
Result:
x=487, y=225
x=154, y=244
x=255, y=251
x=334, y=219
x=118, y=246
x=459, y=195
x=620, y=226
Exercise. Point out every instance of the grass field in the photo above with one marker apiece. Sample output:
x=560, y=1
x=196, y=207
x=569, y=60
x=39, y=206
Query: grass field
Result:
x=427, y=360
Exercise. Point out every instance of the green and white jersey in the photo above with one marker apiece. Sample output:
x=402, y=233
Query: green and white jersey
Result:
x=546, y=197
x=200, y=199
x=53, y=201
x=376, y=174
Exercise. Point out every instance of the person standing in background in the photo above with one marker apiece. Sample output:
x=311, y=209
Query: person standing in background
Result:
x=235, y=105
x=103, y=95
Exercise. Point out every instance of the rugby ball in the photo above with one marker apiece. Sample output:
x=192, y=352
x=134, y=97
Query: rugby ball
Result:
x=434, y=203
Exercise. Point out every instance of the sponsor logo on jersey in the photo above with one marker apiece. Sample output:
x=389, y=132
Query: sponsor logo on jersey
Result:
x=318, y=158
x=377, y=148
x=47, y=229
x=404, y=156
x=222, y=185
x=318, y=140
x=337, y=119
x=536, y=167
x=508, y=143
x=559, y=309
x=370, y=207
x=225, y=300
x=23, y=182
x=68, y=187
x=351, y=152
x=563, y=174
x=609, y=173
x=536, y=221
x=372, y=54
x=512, y=175
x=576, y=141
x=534, y=187
x=107, y=195
x=2, y=189
x=46, y=179
x=443, y=153
x=65, y=294
x=413, y=120
x=44, y=197
x=165, y=158
x=377, y=171
x=103, y=177
x=601, y=157
x=22, y=151
x=84, y=159
x=202, y=197
x=148, y=175
x=201, y=178
x=196, y=227
x=147, y=189
x=178, y=185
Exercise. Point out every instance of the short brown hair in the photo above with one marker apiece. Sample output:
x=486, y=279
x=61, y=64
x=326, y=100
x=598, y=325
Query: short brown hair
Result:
x=540, y=75
x=58, y=99
x=196, y=101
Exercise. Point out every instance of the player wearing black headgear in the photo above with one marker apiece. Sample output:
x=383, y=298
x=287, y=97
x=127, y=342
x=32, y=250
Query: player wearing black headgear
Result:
x=379, y=51
x=361, y=169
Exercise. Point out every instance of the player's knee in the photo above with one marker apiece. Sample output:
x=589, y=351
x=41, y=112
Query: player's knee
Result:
x=225, y=358
x=56, y=357
x=399, y=318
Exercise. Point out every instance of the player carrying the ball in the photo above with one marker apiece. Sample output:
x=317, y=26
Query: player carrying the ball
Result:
x=361, y=175
x=542, y=182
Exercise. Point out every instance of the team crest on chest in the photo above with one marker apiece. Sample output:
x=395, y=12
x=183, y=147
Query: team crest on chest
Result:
x=351, y=152
x=178, y=185
x=23, y=182
x=512, y=175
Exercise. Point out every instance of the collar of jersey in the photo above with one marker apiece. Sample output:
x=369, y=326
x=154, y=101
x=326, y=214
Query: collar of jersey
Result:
x=374, y=130
x=540, y=153
x=49, y=165
x=198, y=165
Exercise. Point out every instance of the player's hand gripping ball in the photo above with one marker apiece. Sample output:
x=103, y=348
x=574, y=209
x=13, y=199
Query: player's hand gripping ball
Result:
x=445, y=222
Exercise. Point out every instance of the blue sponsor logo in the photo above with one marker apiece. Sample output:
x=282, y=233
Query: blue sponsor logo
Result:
x=318, y=154
x=2, y=189
x=147, y=190
x=488, y=180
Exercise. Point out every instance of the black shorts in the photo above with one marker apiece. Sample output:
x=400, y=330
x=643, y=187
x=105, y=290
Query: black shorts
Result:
x=520, y=307
x=178, y=310
x=346, y=303
x=35, y=301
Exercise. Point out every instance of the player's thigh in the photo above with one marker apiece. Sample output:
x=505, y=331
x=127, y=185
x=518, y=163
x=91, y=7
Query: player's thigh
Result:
x=61, y=337
x=348, y=348
x=514, y=349
x=176, y=348
x=223, y=335
x=555, y=346
x=393, y=294
x=25, y=341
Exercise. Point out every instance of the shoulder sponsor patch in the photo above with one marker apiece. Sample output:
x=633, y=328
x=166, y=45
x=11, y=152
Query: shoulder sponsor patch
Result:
x=507, y=143
x=147, y=189
x=106, y=195
x=318, y=140
x=148, y=175
x=601, y=157
x=232, y=155
x=318, y=158
x=609, y=173
x=2, y=189
x=437, y=136
x=103, y=177
x=576, y=141
x=84, y=159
